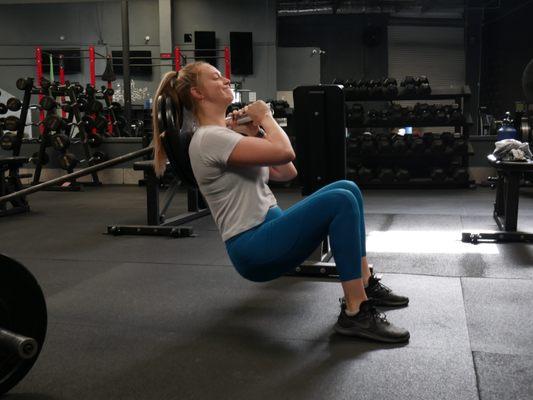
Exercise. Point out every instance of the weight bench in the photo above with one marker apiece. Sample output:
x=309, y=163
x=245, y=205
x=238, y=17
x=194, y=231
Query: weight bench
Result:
x=157, y=222
x=506, y=204
x=9, y=183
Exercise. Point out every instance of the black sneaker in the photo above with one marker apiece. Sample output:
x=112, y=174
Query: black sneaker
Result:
x=368, y=323
x=383, y=295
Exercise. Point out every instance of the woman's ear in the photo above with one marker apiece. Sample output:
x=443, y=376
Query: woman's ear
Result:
x=196, y=94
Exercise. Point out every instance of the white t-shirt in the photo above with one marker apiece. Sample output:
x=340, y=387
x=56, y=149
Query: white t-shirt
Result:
x=238, y=197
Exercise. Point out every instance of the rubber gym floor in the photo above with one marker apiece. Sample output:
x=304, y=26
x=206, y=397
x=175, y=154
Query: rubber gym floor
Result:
x=136, y=317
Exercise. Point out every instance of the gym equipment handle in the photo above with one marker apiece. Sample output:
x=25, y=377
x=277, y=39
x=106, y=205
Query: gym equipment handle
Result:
x=23, y=346
x=77, y=174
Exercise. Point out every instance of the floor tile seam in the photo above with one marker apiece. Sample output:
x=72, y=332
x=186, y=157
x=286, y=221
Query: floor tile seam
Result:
x=476, y=374
x=504, y=353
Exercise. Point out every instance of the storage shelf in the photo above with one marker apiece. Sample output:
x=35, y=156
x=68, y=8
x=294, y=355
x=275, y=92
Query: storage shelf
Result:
x=436, y=94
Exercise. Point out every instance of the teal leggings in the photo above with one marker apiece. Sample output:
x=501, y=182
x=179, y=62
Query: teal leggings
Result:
x=287, y=237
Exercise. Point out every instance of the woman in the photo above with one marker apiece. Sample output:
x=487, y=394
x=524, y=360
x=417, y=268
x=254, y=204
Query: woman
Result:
x=262, y=240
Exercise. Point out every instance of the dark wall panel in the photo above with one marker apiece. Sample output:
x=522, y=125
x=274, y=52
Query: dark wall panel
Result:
x=507, y=48
x=341, y=37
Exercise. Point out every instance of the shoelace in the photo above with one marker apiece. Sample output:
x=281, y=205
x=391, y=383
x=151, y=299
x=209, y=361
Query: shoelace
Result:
x=373, y=311
x=382, y=286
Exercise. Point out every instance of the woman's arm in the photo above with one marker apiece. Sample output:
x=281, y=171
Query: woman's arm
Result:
x=274, y=149
x=283, y=173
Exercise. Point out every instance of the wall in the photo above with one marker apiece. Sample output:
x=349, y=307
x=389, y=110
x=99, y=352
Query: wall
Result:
x=258, y=17
x=25, y=26
x=340, y=36
x=507, y=37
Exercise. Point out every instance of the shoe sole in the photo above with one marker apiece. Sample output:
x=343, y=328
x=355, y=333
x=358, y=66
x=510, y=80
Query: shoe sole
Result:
x=380, y=303
x=348, y=332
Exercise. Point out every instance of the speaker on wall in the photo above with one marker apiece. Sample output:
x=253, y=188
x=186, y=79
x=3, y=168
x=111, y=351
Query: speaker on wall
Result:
x=205, y=40
x=242, y=56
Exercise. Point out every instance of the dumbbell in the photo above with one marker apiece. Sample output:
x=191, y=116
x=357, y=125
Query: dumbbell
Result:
x=374, y=117
x=368, y=147
x=46, y=103
x=460, y=175
x=390, y=87
x=396, y=113
x=385, y=117
x=350, y=83
x=355, y=114
x=338, y=81
x=386, y=175
x=8, y=141
x=13, y=104
x=68, y=161
x=375, y=89
x=422, y=86
x=428, y=139
x=384, y=145
x=423, y=113
x=409, y=86
x=364, y=175
x=460, y=147
x=418, y=146
x=437, y=175
x=402, y=175
x=440, y=114
x=399, y=145
x=456, y=115
x=437, y=147
x=361, y=89
x=3, y=109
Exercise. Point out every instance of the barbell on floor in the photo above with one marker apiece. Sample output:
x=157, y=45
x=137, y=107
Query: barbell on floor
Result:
x=23, y=322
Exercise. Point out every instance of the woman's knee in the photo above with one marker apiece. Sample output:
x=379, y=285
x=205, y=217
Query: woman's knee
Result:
x=344, y=198
x=352, y=187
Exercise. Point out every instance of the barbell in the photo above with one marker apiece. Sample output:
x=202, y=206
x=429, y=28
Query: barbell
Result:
x=23, y=322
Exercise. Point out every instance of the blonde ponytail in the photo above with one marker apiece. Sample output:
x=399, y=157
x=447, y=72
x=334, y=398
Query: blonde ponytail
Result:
x=177, y=86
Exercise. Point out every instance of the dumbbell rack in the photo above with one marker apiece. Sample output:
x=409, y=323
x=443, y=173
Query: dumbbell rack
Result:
x=461, y=131
x=74, y=116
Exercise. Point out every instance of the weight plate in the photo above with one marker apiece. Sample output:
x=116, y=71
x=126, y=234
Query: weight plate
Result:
x=23, y=311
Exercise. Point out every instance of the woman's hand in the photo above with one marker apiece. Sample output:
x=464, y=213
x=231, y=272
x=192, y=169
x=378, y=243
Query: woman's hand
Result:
x=249, y=129
x=258, y=111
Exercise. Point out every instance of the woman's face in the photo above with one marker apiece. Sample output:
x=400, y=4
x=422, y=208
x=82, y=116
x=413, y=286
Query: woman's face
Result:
x=213, y=86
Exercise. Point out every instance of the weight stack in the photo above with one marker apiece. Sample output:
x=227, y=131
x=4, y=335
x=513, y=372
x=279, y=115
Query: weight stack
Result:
x=320, y=130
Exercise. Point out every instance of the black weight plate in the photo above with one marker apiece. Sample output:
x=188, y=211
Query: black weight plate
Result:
x=12, y=123
x=22, y=84
x=23, y=311
x=13, y=104
x=3, y=109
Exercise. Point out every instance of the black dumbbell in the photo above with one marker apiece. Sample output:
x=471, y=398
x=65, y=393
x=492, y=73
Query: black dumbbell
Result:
x=94, y=106
x=396, y=113
x=23, y=84
x=364, y=175
x=456, y=115
x=384, y=145
x=440, y=114
x=422, y=86
x=3, y=109
x=338, y=81
x=375, y=89
x=13, y=104
x=68, y=161
x=460, y=147
x=399, y=145
x=374, y=116
x=11, y=123
x=368, y=147
x=460, y=175
x=350, y=83
x=438, y=175
x=409, y=86
x=418, y=146
x=386, y=175
x=402, y=175
x=356, y=114
x=361, y=90
x=390, y=87
x=60, y=142
x=8, y=141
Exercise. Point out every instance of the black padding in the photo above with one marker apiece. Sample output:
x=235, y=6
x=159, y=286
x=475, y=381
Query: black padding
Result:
x=175, y=140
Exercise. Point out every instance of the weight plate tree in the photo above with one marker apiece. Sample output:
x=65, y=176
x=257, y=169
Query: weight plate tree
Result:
x=23, y=321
